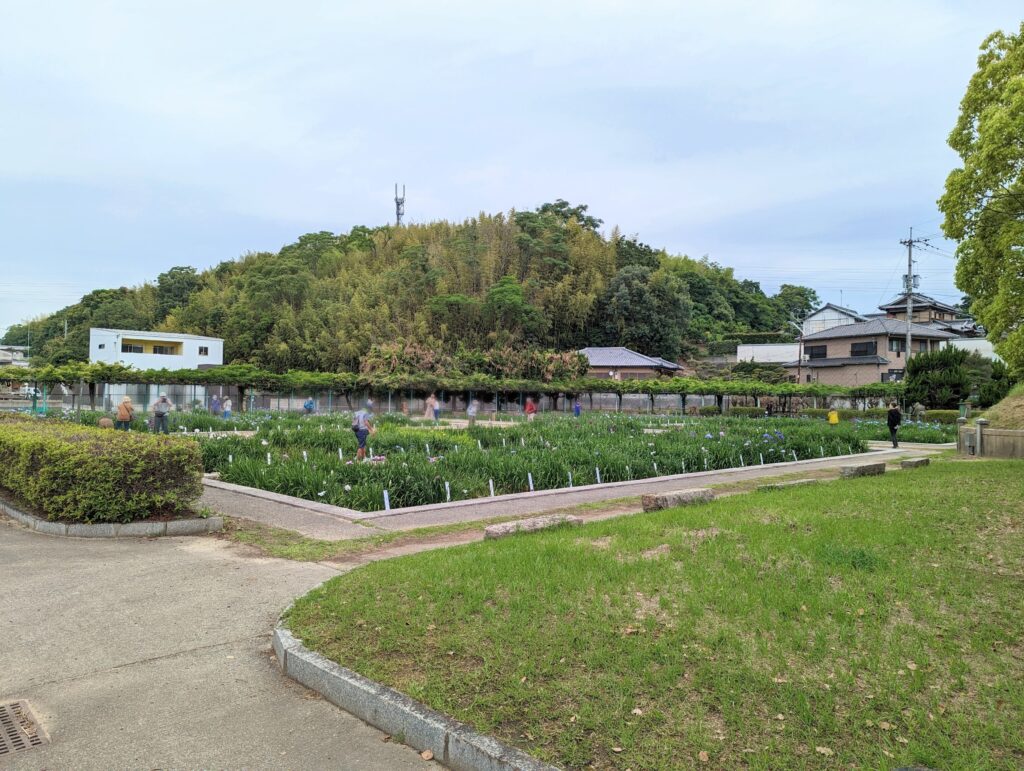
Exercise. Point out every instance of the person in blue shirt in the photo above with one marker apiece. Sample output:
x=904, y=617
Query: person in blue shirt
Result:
x=577, y=408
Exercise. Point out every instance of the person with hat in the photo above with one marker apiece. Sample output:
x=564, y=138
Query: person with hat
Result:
x=161, y=409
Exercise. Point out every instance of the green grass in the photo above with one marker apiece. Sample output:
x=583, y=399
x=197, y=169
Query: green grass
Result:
x=879, y=619
x=1009, y=413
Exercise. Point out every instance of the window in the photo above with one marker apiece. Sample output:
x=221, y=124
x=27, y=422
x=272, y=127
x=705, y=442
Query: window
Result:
x=816, y=351
x=897, y=344
x=166, y=350
x=892, y=376
x=869, y=348
x=204, y=350
x=922, y=346
x=101, y=346
x=131, y=348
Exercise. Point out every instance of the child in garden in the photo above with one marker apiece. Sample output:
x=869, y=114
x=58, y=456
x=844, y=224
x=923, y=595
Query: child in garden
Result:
x=362, y=425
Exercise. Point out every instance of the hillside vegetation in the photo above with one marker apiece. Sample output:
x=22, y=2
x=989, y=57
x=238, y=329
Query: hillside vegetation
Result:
x=414, y=297
x=1009, y=413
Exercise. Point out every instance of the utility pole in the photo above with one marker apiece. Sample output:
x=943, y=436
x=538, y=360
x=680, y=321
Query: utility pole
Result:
x=399, y=205
x=910, y=283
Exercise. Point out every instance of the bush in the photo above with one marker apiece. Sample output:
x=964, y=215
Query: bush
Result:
x=722, y=347
x=747, y=412
x=97, y=475
x=845, y=414
x=709, y=409
x=941, y=416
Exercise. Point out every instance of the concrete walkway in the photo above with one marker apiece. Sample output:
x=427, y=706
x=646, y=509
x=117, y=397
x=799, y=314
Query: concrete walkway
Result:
x=156, y=654
x=319, y=520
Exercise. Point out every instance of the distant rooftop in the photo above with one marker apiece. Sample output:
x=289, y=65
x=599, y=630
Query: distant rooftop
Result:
x=150, y=335
x=624, y=357
x=879, y=327
x=899, y=303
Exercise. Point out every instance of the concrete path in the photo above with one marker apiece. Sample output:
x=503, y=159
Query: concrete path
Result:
x=156, y=654
x=318, y=520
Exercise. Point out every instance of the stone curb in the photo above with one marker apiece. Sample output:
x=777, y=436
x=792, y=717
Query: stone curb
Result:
x=530, y=525
x=454, y=744
x=114, y=529
x=786, y=485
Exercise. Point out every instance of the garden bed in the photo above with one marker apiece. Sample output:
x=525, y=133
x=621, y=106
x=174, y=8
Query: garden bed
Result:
x=314, y=458
x=874, y=623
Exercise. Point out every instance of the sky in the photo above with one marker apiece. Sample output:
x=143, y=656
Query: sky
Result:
x=794, y=141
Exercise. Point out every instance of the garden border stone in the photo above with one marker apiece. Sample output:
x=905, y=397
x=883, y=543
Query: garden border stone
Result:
x=453, y=744
x=673, y=498
x=113, y=529
x=530, y=525
x=783, y=485
x=914, y=462
x=862, y=470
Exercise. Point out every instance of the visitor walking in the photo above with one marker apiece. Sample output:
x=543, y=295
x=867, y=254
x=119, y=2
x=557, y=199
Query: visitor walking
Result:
x=309, y=406
x=430, y=411
x=530, y=409
x=125, y=413
x=215, y=406
x=894, y=418
x=471, y=411
x=362, y=425
x=577, y=408
x=226, y=407
x=161, y=409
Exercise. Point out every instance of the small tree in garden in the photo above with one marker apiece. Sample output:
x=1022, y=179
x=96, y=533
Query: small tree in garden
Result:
x=938, y=380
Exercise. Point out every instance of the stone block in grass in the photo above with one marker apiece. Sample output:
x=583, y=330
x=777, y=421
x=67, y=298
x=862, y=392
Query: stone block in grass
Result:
x=913, y=463
x=658, y=501
x=529, y=525
x=862, y=470
x=791, y=483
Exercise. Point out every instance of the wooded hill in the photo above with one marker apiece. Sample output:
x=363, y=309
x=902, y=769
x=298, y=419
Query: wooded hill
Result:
x=475, y=296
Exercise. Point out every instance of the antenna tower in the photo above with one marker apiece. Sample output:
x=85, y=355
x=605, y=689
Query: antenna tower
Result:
x=399, y=205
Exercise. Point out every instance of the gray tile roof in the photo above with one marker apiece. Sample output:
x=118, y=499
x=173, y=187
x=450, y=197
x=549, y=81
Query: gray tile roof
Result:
x=899, y=302
x=879, y=327
x=841, y=309
x=623, y=357
x=838, y=362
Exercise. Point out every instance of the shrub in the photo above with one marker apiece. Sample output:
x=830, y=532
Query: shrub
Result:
x=941, y=416
x=710, y=409
x=96, y=475
x=722, y=347
x=845, y=414
x=747, y=412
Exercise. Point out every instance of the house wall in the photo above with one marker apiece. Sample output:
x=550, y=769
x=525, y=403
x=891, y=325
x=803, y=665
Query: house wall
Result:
x=105, y=346
x=768, y=353
x=976, y=345
x=623, y=373
x=850, y=375
x=824, y=319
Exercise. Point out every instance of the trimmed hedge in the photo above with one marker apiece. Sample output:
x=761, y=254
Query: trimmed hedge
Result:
x=86, y=474
x=941, y=416
x=747, y=412
x=874, y=413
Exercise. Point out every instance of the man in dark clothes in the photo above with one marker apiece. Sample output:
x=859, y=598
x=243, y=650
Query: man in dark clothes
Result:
x=894, y=418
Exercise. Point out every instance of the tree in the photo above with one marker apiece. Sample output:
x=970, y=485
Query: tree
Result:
x=796, y=301
x=938, y=379
x=983, y=201
x=644, y=310
x=174, y=288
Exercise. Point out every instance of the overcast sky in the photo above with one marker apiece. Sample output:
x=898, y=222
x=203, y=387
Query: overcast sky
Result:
x=794, y=141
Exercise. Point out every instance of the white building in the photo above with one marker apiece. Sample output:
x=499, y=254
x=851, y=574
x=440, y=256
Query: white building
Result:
x=13, y=356
x=767, y=353
x=154, y=350
x=828, y=316
x=976, y=345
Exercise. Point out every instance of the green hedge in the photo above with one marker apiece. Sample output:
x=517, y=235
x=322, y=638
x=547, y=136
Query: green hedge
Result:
x=873, y=413
x=89, y=474
x=722, y=347
x=747, y=412
x=941, y=416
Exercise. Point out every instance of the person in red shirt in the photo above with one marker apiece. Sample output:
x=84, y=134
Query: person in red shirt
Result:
x=530, y=409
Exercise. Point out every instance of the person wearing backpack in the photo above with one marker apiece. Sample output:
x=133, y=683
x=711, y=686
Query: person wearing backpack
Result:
x=161, y=409
x=125, y=413
x=362, y=425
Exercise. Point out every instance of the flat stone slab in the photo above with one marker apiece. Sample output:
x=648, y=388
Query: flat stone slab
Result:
x=505, y=529
x=862, y=470
x=658, y=501
x=791, y=483
x=913, y=463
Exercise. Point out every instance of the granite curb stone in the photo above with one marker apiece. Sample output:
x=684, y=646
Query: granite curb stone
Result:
x=657, y=501
x=454, y=744
x=114, y=529
x=862, y=470
x=530, y=525
x=791, y=483
x=914, y=463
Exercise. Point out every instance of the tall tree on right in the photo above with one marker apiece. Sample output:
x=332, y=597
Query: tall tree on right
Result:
x=984, y=199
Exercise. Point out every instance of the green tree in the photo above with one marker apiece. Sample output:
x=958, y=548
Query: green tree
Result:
x=795, y=301
x=938, y=379
x=983, y=201
x=644, y=310
x=174, y=288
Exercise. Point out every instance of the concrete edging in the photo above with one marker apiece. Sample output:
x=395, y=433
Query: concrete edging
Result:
x=114, y=529
x=453, y=744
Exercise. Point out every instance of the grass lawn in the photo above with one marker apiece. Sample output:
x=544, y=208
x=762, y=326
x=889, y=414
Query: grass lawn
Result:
x=870, y=623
